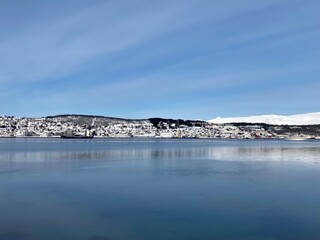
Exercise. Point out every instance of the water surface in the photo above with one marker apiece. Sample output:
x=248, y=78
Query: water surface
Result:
x=103, y=189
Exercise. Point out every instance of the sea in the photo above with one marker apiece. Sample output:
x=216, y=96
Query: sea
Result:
x=123, y=189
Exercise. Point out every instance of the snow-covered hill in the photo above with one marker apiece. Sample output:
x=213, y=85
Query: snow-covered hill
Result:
x=298, y=119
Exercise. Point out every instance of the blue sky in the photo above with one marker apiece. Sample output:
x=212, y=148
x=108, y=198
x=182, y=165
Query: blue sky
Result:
x=196, y=59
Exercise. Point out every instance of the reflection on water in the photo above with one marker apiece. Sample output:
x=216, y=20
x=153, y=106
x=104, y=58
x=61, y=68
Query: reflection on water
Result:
x=85, y=153
x=159, y=189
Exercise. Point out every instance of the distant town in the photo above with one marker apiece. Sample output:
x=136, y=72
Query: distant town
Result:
x=85, y=126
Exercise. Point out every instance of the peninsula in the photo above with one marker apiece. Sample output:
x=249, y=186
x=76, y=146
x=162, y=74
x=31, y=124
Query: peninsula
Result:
x=101, y=126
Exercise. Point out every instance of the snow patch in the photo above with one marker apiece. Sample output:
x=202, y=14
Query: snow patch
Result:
x=298, y=119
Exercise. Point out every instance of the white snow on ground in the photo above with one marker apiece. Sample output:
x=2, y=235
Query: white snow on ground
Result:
x=298, y=119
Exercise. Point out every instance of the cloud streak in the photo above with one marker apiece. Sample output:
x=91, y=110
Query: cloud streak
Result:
x=121, y=54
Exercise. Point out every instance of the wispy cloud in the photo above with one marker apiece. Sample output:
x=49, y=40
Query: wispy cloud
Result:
x=121, y=54
x=54, y=49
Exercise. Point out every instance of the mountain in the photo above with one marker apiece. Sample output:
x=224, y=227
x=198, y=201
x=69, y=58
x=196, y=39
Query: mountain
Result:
x=298, y=119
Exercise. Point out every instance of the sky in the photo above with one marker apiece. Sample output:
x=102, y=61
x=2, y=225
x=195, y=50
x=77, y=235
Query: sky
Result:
x=191, y=59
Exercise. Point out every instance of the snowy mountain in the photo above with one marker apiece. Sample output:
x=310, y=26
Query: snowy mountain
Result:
x=298, y=119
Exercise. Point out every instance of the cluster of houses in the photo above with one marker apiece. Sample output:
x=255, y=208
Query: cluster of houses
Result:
x=56, y=127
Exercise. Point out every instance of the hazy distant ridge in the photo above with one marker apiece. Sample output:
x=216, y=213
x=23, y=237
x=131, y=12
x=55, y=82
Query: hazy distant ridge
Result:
x=298, y=119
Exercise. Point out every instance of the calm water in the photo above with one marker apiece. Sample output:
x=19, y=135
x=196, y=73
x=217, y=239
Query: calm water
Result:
x=159, y=189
